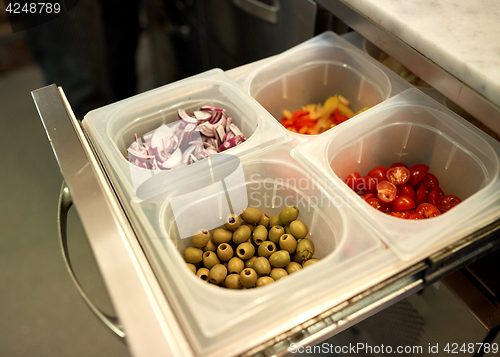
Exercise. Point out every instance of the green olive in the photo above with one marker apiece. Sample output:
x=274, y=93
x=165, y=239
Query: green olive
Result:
x=232, y=222
x=261, y=266
x=193, y=255
x=201, y=238
x=249, y=262
x=210, y=259
x=305, y=248
x=279, y=259
x=248, y=277
x=297, y=258
x=264, y=280
x=242, y=234
x=217, y=274
x=222, y=236
x=224, y=252
x=210, y=246
x=245, y=251
x=259, y=235
x=288, y=214
x=251, y=226
x=264, y=220
x=233, y=281
x=287, y=229
x=235, y=265
x=293, y=267
x=266, y=249
x=298, y=229
x=288, y=243
x=251, y=215
x=309, y=262
x=278, y=273
x=202, y=273
x=275, y=233
x=191, y=267
x=274, y=221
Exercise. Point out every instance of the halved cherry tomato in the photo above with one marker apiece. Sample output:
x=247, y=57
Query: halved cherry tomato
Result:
x=417, y=173
x=430, y=181
x=406, y=214
x=402, y=203
x=398, y=175
x=398, y=214
x=416, y=216
x=375, y=203
x=427, y=210
x=406, y=189
x=353, y=180
x=367, y=184
x=396, y=164
x=366, y=196
x=422, y=194
x=386, y=191
x=434, y=195
x=447, y=202
x=378, y=173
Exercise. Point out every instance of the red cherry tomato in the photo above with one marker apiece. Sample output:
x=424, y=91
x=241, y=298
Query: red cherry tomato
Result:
x=427, y=210
x=434, y=195
x=402, y=203
x=416, y=216
x=366, y=196
x=386, y=191
x=417, y=173
x=375, y=203
x=396, y=164
x=398, y=175
x=406, y=189
x=430, y=181
x=353, y=180
x=367, y=185
x=397, y=214
x=445, y=203
x=422, y=193
x=378, y=173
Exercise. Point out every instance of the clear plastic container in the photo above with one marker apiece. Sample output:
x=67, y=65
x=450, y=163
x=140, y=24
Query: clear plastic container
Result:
x=413, y=129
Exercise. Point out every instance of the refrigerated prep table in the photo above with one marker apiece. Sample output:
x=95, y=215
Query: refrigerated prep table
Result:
x=152, y=316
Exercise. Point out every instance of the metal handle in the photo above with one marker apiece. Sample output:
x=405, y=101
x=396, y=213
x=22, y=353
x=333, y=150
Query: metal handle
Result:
x=259, y=9
x=65, y=203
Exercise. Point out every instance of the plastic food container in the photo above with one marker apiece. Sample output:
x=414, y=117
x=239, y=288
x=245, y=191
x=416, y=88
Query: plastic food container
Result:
x=210, y=315
x=311, y=72
x=413, y=129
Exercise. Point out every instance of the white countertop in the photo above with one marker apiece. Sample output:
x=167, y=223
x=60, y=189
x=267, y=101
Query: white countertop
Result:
x=461, y=36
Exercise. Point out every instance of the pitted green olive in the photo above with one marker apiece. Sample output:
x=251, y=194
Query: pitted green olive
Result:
x=288, y=214
x=251, y=215
x=249, y=262
x=222, y=236
x=191, y=267
x=235, y=265
x=288, y=243
x=251, y=226
x=305, y=249
x=233, y=281
x=224, y=252
x=275, y=221
x=201, y=238
x=248, y=277
x=298, y=229
x=193, y=255
x=287, y=229
x=266, y=249
x=259, y=235
x=245, y=250
x=278, y=273
x=310, y=262
x=210, y=259
x=264, y=220
x=279, y=259
x=217, y=274
x=261, y=266
x=210, y=246
x=275, y=233
x=202, y=273
x=232, y=222
x=242, y=234
x=264, y=280
x=293, y=267
x=295, y=257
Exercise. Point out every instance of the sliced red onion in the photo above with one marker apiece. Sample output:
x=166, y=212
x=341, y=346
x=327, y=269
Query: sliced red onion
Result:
x=211, y=107
x=231, y=143
x=228, y=136
x=236, y=131
x=202, y=115
x=186, y=117
x=173, y=161
x=215, y=118
x=186, y=154
x=206, y=129
x=221, y=132
x=161, y=132
x=228, y=124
